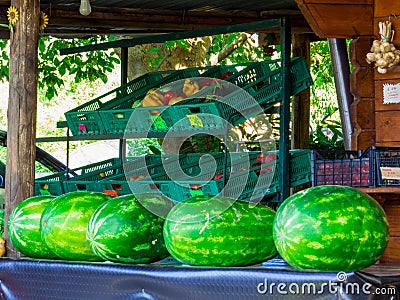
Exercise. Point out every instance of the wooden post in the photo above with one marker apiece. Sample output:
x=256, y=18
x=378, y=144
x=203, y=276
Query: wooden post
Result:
x=22, y=107
x=284, y=166
x=301, y=101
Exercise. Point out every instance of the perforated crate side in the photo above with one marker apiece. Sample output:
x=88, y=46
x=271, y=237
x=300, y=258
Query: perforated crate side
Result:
x=50, y=185
x=81, y=185
x=340, y=167
x=178, y=191
x=300, y=75
x=127, y=101
x=300, y=167
x=85, y=123
x=255, y=188
x=85, y=119
x=387, y=166
x=101, y=165
x=92, y=173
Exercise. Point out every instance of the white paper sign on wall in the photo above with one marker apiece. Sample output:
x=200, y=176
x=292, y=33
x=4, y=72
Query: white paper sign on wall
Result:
x=391, y=93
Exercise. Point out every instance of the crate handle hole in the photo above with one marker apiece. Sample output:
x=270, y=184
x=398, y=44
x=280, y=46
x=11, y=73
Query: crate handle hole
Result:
x=154, y=186
x=81, y=187
x=194, y=110
x=82, y=117
x=117, y=187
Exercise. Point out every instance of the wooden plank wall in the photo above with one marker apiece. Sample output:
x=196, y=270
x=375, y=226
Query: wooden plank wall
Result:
x=387, y=123
x=387, y=116
x=363, y=90
x=392, y=252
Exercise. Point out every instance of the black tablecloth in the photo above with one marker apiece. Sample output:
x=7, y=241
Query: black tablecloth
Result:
x=43, y=279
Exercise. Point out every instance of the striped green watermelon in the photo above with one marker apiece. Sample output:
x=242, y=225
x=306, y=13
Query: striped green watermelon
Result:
x=64, y=222
x=24, y=227
x=331, y=228
x=123, y=230
x=219, y=232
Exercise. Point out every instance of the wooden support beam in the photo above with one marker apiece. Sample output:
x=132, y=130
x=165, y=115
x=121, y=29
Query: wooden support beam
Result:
x=66, y=21
x=254, y=26
x=22, y=107
x=301, y=102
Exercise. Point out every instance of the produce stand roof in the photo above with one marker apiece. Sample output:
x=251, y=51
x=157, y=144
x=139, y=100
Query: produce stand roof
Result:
x=149, y=17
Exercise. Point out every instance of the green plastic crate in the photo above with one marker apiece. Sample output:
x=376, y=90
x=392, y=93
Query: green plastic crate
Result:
x=115, y=114
x=254, y=189
x=111, y=171
x=54, y=184
x=262, y=83
x=259, y=81
x=156, y=167
x=50, y=185
x=90, y=174
x=177, y=191
x=85, y=119
x=116, y=117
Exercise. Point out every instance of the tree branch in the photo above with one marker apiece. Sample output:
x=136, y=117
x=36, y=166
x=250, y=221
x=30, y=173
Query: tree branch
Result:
x=228, y=49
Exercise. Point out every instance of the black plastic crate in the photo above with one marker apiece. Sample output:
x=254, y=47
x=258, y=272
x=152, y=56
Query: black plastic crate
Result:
x=340, y=167
x=387, y=166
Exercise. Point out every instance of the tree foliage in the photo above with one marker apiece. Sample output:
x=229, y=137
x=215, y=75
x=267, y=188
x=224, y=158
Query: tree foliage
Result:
x=53, y=68
x=325, y=125
x=59, y=73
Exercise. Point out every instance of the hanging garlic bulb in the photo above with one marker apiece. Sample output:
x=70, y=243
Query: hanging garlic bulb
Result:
x=383, y=52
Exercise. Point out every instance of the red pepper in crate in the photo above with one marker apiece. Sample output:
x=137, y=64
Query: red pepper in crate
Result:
x=168, y=96
x=226, y=75
x=82, y=127
x=111, y=193
x=204, y=82
x=218, y=176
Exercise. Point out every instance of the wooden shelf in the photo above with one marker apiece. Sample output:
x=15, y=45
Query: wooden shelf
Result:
x=380, y=190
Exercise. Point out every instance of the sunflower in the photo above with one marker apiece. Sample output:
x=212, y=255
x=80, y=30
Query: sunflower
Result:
x=44, y=20
x=12, y=14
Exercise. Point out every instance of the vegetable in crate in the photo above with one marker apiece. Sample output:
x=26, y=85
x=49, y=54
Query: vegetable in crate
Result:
x=24, y=227
x=2, y=247
x=64, y=222
x=153, y=98
x=218, y=231
x=190, y=87
x=156, y=97
x=330, y=228
x=125, y=230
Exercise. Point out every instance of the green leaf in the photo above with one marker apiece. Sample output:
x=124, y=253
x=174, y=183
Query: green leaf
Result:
x=154, y=50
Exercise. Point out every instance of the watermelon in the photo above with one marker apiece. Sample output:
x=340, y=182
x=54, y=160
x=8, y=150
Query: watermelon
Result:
x=24, y=227
x=123, y=230
x=330, y=228
x=64, y=222
x=218, y=231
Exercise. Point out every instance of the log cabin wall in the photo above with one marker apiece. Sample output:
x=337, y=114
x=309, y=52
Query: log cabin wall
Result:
x=387, y=122
x=363, y=91
x=375, y=123
x=387, y=116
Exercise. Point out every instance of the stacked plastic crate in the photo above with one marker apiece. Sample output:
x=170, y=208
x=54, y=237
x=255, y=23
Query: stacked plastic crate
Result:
x=112, y=112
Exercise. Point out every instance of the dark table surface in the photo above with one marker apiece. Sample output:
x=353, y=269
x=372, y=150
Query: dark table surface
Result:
x=168, y=279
